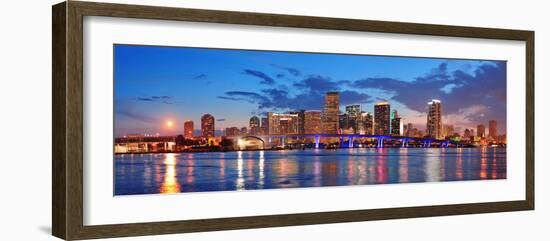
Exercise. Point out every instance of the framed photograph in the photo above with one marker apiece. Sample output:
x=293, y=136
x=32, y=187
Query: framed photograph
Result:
x=171, y=120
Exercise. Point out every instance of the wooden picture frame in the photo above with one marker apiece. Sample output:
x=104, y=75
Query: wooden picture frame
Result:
x=67, y=124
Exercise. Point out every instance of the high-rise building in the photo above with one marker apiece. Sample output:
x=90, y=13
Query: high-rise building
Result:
x=434, y=124
x=448, y=130
x=188, y=128
x=343, y=122
x=244, y=130
x=254, y=125
x=265, y=126
x=480, y=130
x=300, y=120
x=312, y=122
x=409, y=130
x=207, y=126
x=353, y=113
x=396, y=124
x=232, y=131
x=281, y=124
x=382, y=118
x=468, y=133
x=330, y=113
x=493, y=133
x=368, y=123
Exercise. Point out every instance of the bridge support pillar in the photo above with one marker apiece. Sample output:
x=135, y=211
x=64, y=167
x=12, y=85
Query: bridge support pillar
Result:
x=317, y=137
x=350, y=142
x=283, y=140
x=380, y=142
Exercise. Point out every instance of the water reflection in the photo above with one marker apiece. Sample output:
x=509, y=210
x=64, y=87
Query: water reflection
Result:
x=240, y=179
x=404, y=165
x=197, y=172
x=170, y=183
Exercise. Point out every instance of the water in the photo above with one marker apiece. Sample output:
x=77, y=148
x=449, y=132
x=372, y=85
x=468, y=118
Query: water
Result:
x=247, y=170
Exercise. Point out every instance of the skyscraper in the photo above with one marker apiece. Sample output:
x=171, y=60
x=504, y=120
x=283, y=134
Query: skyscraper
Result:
x=467, y=133
x=382, y=118
x=480, y=130
x=312, y=122
x=188, y=128
x=254, y=125
x=368, y=123
x=353, y=113
x=232, y=131
x=281, y=124
x=493, y=133
x=433, y=127
x=207, y=126
x=265, y=126
x=300, y=120
x=409, y=130
x=448, y=130
x=343, y=122
x=330, y=114
x=396, y=124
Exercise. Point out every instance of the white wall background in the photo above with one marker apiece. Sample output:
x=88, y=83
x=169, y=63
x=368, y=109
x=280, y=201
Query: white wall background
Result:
x=25, y=107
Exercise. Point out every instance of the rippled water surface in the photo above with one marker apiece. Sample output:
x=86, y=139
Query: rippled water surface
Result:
x=223, y=171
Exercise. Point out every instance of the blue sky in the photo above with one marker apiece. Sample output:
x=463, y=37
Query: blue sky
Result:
x=154, y=85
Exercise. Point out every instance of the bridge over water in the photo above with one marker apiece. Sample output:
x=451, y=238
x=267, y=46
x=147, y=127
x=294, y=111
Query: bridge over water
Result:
x=426, y=142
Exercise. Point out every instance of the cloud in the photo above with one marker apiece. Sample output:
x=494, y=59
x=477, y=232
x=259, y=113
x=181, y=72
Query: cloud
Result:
x=310, y=94
x=467, y=117
x=293, y=71
x=164, y=99
x=126, y=109
x=220, y=120
x=265, y=79
x=200, y=76
x=458, y=90
x=317, y=84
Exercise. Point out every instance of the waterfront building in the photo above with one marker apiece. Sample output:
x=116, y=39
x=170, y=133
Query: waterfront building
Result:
x=448, y=130
x=232, y=131
x=244, y=130
x=368, y=123
x=353, y=114
x=415, y=133
x=468, y=133
x=480, y=130
x=434, y=124
x=254, y=125
x=207, y=126
x=282, y=124
x=265, y=126
x=382, y=118
x=312, y=122
x=141, y=144
x=396, y=124
x=301, y=127
x=409, y=130
x=188, y=128
x=493, y=133
x=330, y=113
x=343, y=122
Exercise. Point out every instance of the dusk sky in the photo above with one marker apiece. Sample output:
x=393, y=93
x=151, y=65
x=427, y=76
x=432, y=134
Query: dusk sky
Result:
x=154, y=85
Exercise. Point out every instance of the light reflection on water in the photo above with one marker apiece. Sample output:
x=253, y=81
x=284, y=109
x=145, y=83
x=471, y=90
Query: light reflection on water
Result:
x=247, y=170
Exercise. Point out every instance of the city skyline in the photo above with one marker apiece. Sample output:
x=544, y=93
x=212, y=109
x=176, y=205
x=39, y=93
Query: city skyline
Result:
x=189, y=91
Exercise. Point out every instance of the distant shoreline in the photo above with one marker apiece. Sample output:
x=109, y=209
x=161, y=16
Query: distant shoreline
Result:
x=295, y=149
